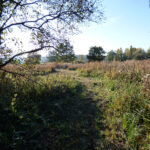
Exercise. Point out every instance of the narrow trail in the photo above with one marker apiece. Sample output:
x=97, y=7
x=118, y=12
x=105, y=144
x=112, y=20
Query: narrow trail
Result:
x=91, y=84
x=88, y=82
x=91, y=109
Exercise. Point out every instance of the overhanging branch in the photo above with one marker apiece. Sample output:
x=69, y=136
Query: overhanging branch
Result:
x=22, y=53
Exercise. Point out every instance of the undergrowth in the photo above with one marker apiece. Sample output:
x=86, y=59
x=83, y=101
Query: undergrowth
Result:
x=49, y=113
x=55, y=112
x=126, y=93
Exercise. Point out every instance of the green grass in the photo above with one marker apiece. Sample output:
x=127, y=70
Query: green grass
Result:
x=126, y=113
x=51, y=113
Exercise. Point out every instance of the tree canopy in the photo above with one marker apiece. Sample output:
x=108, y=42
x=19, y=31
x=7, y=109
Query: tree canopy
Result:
x=96, y=54
x=48, y=21
x=129, y=54
x=33, y=58
x=111, y=56
x=64, y=52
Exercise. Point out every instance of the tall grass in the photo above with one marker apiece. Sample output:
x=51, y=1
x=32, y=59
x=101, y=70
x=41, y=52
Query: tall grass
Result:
x=51, y=112
x=39, y=69
x=32, y=113
x=126, y=91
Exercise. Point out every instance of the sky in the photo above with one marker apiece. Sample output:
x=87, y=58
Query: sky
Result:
x=126, y=23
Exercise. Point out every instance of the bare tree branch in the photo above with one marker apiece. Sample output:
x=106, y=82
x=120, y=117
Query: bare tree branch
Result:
x=22, y=75
x=10, y=16
x=22, y=53
x=29, y=3
x=15, y=73
x=55, y=18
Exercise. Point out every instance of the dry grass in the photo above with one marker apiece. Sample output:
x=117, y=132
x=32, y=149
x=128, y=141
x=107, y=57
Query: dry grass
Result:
x=125, y=93
x=112, y=69
x=31, y=69
x=128, y=70
x=142, y=66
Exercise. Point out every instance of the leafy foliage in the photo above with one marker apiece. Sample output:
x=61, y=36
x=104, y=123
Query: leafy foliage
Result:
x=131, y=53
x=111, y=56
x=96, y=54
x=64, y=52
x=47, y=22
x=33, y=59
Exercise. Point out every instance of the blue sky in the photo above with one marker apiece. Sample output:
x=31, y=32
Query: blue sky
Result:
x=127, y=23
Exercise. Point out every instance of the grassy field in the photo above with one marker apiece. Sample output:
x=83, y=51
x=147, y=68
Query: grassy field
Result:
x=89, y=106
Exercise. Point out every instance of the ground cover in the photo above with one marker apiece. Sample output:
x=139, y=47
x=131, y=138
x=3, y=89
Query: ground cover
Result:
x=77, y=106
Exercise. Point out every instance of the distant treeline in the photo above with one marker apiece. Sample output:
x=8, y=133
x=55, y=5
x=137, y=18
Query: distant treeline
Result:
x=128, y=54
x=95, y=54
x=131, y=53
x=81, y=58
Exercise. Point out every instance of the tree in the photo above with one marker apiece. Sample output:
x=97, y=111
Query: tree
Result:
x=111, y=56
x=64, y=52
x=50, y=58
x=127, y=53
x=131, y=52
x=120, y=55
x=1, y=60
x=139, y=54
x=96, y=54
x=48, y=21
x=33, y=59
x=148, y=54
x=81, y=58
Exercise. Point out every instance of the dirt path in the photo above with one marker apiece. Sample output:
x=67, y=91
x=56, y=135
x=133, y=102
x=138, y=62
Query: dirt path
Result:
x=90, y=83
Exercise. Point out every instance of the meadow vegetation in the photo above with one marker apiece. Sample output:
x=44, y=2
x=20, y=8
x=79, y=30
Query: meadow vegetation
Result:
x=95, y=105
x=47, y=113
x=125, y=89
